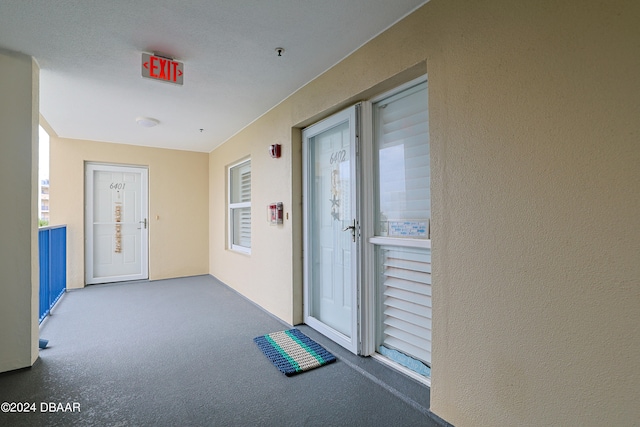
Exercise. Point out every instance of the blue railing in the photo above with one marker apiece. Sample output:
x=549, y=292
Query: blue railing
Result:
x=52, y=242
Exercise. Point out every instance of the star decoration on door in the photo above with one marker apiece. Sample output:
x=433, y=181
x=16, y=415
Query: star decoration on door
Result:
x=335, y=194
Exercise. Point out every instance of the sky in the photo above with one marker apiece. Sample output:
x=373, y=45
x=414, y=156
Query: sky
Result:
x=44, y=155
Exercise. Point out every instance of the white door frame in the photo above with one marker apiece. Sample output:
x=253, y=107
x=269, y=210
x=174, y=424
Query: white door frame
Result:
x=90, y=168
x=351, y=343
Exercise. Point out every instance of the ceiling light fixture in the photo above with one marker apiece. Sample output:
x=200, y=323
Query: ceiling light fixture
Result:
x=147, y=122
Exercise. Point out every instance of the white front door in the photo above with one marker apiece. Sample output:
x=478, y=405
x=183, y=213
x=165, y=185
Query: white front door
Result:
x=116, y=234
x=331, y=228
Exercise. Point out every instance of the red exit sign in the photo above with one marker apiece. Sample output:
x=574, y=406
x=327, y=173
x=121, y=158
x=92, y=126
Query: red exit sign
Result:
x=163, y=69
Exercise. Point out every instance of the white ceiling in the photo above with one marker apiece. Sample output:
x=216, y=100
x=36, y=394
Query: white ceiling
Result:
x=89, y=53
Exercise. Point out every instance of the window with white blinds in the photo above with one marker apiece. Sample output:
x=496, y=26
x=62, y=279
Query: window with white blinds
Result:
x=401, y=126
x=240, y=207
x=402, y=228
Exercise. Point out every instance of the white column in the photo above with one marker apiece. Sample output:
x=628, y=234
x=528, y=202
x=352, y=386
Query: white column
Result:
x=19, y=84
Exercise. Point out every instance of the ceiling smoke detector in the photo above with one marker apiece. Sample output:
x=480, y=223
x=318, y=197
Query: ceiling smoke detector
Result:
x=147, y=122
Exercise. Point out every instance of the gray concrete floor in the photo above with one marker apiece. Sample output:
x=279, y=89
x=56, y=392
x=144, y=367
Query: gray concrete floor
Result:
x=180, y=352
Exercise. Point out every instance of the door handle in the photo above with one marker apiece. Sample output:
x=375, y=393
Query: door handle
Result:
x=353, y=230
x=143, y=222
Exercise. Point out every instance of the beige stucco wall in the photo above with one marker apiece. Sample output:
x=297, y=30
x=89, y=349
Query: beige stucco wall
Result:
x=178, y=195
x=535, y=198
x=19, y=278
x=536, y=225
x=265, y=275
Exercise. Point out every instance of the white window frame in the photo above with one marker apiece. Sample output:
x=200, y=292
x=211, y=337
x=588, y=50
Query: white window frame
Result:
x=233, y=206
x=368, y=317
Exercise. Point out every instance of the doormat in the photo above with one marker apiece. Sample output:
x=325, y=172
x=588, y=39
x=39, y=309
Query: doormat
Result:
x=293, y=352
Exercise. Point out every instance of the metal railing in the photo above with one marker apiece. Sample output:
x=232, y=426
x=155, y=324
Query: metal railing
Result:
x=52, y=243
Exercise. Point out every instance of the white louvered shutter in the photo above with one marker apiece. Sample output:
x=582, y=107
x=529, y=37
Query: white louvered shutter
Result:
x=406, y=301
x=244, y=220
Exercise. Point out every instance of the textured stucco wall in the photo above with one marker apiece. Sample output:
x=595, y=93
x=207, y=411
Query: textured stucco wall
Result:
x=536, y=227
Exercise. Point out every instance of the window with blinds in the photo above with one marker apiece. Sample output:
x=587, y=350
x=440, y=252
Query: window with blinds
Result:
x=402, y=228
x=402, y=144
x=240, y=207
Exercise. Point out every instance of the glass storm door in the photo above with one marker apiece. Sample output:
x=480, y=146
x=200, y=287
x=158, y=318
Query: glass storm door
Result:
x=116, y=224
x=331, y=228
